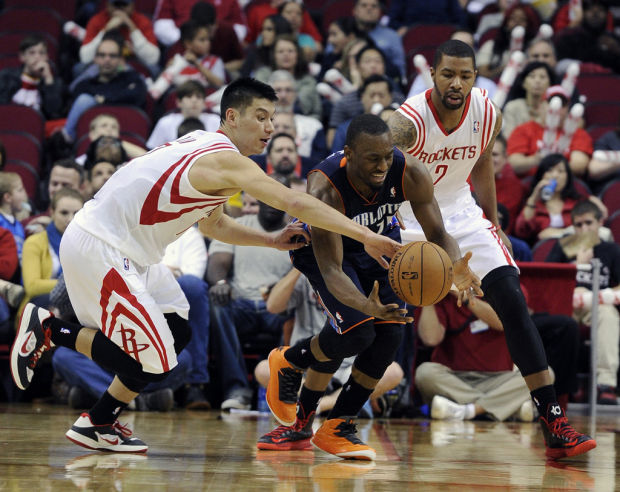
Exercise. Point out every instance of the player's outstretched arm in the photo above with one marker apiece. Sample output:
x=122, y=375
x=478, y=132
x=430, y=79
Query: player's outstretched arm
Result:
x=236, y=172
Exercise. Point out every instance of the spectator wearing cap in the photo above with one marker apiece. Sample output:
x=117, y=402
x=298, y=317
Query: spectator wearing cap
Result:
x=525, y=142
x=135, y=28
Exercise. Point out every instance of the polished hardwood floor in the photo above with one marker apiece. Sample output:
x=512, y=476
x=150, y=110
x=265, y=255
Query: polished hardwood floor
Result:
x=213, y=451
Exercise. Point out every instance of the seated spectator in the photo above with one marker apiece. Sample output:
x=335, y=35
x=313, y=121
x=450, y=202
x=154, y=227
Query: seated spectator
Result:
x=490, y=16
x=526, y=141
x=521, y=251
x=375, y=94
x=547, y=216
x=493, y=55
x=471, y=372
x=136, y=30
x=293, y=12
x=98, y=173
x=11, y=293
x=191, y=103
x=237, y=276
x=509, y=189
x=309, y=130
x=283, y=158
x=526, y=100
x=107, y=125
x=110, y=86
x=369, y=61
x=367, y=14
x=294, y=294
x=258, y=11
x=258, y=54
x=40, y=263
x=580, y=248
x=12, y=199
x=287, y=55
x=405, y=13
x=482, y=82
x=309, y=145
x=196, y=63
x=600, y=171
x=591, y=41
x=340, y=33
x=33, y=84
x=542, y=50
x=189, y=125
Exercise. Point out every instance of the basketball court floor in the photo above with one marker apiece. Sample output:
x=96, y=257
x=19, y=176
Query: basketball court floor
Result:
x=213, y=451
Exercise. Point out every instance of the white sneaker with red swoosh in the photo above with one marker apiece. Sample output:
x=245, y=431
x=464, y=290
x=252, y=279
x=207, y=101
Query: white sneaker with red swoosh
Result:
x=30, y=342
x=109, y=437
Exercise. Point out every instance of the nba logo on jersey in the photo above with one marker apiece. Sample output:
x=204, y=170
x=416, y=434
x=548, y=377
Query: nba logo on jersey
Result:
x=392, y=192
x=476, y=126
x=126, y=263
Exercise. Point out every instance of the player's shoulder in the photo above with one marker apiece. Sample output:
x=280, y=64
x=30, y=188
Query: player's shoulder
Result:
x=331, y=163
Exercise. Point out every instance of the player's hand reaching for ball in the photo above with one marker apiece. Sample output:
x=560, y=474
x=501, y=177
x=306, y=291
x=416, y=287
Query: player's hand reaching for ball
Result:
x=390, y=312
x=466, y=281
x=293, y=236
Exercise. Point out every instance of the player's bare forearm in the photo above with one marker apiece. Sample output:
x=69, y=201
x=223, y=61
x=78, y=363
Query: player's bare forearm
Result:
x=223, y=228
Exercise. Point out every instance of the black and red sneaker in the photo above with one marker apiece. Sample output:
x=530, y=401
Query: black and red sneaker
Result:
x=293, y=438
x=561, y=439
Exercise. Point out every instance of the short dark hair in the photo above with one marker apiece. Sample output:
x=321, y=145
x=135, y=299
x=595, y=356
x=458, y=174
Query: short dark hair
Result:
x=456, y=48
x=189, y=30
x=368, y=47
x=107, y=148
x=190, y=88
x=368, y=124
x=69, y=163
x=278, y=135
x=30, y=41
x=204, y=13
x=115, y=36
x=189, y=125
x=374, y=79
x=585, y=207
x=241, y=93
x=501, y=139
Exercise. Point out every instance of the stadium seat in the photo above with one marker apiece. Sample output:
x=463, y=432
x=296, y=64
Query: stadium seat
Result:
x=582, y=187
x=29, y=176
x=550, y=286
x=335, y=9
x=610, y=196
x=597, y=131
x=9, y=61
x=614, y=224
x=131, y=119
x=426, y=35
x=65, y=8
x=146, y=7
x=542, y=248
x=599, y=87
x=22, y=146
x=602, y=113
x=40, y=20
x=16, y=117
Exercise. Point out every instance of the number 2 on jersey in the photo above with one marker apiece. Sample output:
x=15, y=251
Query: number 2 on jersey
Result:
x=441, y=169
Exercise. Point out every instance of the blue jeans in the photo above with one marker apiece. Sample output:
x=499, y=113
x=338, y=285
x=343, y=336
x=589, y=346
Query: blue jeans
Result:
x=78, y=370
x=5, y=311
x=241, y=318
x=79, y=106
x=196, y=291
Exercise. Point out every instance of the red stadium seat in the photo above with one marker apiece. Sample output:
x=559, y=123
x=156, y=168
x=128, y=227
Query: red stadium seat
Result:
x=599, y=87
x=542, y=248
x=582, y=187
x=65, y=8
x=614, y=224
x=9, y=61
x=29, y=176
x=597, y=131
x=146, y=7
x=131, y=119
x=602, y=113
x=426, y=35
x=32, y=20
x=16, y=117
x=487, y=35
x=22, y=146
x=610, y=196
x=550, y=286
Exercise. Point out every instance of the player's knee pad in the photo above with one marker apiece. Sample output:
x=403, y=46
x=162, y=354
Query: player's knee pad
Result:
x=340, y=346
x=327, y=367
x=502, y=290
x=133, y=384
x=377, y=357
x=180, y=329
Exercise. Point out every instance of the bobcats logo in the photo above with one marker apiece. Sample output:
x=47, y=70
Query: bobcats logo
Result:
x=409, y=275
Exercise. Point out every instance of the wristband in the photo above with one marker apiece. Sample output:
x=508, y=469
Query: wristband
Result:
x=221, y=282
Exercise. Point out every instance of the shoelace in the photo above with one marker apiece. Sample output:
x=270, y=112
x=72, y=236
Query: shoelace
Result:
x=289, y=384
x=278, y=431
x=348, y=430
x=123, y=429
x=36, y=355
x=561, y=427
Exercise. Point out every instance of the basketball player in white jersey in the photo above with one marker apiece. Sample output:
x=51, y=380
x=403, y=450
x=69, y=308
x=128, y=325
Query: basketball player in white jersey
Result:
x=451, y=129
x=131, y=310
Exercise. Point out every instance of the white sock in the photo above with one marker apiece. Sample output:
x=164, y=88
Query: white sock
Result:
x=470, y=411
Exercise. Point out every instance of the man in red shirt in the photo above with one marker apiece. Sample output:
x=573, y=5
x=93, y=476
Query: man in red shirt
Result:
x=524, y=143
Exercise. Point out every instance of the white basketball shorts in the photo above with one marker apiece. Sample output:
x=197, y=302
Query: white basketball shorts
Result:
x=124, y=300
x=472, y=232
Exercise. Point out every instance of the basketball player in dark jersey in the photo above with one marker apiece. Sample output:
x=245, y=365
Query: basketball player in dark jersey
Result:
x=367, y=182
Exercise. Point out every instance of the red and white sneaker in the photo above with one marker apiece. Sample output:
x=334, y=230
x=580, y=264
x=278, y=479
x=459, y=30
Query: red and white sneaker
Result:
x=561, y=439
x=285, y=438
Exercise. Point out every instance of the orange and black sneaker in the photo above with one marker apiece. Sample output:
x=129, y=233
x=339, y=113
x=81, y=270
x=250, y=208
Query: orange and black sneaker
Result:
x=561, y=439
x=294, y=438
x=284, y=383
x=339, y=437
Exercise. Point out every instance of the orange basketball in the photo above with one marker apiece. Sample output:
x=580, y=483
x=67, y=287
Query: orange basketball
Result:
x=421, y=273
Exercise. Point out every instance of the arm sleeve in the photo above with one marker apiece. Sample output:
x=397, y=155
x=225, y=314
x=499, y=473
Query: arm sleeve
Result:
x=32, y=267
x=147, y=52
x=88, y=49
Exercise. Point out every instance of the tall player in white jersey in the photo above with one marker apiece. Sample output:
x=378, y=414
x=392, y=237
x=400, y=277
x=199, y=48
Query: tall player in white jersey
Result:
x=451, y=129
x=132, y=312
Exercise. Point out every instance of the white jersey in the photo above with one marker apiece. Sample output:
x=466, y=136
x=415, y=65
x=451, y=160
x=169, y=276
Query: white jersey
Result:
x=149, y=203
x=450, y=157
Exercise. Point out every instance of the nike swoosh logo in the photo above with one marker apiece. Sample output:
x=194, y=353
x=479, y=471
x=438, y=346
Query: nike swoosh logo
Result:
x=113, y=442
x=25, y=351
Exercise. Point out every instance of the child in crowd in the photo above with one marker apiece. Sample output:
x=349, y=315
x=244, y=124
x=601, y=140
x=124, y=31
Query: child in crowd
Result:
x=12, y=199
